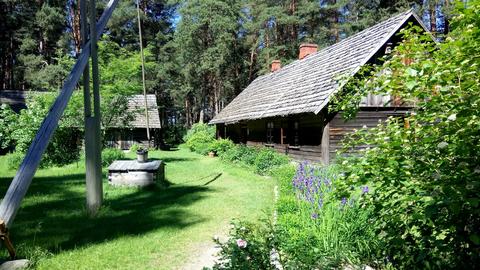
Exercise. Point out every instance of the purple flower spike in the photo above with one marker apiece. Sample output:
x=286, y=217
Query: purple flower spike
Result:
x=314, y=216
x=344, y=201
x=365, y=189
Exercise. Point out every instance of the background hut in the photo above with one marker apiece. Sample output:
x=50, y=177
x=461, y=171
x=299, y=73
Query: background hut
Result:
x=123, y=136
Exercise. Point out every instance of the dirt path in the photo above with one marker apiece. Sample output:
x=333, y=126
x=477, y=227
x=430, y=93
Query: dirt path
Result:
x=205, y=257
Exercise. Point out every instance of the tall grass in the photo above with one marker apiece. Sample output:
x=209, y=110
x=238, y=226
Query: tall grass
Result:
x=315, y=228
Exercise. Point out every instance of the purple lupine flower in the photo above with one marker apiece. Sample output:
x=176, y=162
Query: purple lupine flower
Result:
x=344, y=201
x=365, y=190
x=241, y=243
x=320, y=203
x=314, y=216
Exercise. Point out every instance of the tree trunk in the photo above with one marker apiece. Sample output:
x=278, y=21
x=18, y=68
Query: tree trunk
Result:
x=252, y=59
x=75, y=17
x=433, y=18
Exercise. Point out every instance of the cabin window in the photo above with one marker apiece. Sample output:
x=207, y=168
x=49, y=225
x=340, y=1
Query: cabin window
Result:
x=269, y=132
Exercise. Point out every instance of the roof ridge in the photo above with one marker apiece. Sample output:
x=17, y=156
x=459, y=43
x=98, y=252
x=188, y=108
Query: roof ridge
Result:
x=404, y=13
x=343, y=41
x=407, y=15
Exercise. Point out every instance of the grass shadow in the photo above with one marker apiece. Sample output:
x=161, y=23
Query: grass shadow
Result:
x=172, y=159
x=54, y=216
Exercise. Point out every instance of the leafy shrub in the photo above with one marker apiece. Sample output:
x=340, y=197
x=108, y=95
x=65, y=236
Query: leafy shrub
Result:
x=248, y=247
x=64, y=147
x=14, y=160
x=197, y=128
x=425, y=169
x=7, y=125
x=173, y=134
x=111, y=154
x=221, y=146
x=266, y=159
x=200, y=143
x=240, y=153
x=200, y=138
x=134, y=148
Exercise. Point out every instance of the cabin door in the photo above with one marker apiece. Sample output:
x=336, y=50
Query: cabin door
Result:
x=244, y=134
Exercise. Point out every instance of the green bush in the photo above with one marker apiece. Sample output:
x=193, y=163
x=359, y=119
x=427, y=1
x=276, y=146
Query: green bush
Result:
x=424, y=169
x=200, y=138
x=111, y=154
x=221, y=146
x=173, y=134
x=248, y=247
x=8, y=120
x=64, y=147
x=263, y=160
x=134, y=148
x=199, y=127
x=240, y=153
x=267, y=159
x=14, y=160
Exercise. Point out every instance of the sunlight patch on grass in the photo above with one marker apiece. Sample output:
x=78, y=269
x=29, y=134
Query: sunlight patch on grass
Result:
x=153, y=228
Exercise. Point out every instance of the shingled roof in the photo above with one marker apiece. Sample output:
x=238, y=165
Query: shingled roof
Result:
x=136, y=105
x=306, y=85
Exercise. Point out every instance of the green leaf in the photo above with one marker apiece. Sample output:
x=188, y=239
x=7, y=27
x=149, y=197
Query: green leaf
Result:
x=412, y=72
x=410, y=85
x=475, y=239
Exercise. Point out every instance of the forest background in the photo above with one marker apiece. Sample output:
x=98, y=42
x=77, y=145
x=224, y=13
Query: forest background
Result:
x=200, y=54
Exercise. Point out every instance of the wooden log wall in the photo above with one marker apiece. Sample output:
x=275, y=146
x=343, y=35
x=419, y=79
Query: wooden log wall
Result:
x=365, y=118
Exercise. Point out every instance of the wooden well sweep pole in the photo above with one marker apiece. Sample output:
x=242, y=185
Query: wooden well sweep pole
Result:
x=143, y=72
x=90, y=157
x=20, y=183
x=93, y=144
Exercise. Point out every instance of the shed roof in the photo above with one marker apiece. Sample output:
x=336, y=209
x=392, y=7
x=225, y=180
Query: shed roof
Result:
x=306, y=85
x=14, y=98
x=136, y=105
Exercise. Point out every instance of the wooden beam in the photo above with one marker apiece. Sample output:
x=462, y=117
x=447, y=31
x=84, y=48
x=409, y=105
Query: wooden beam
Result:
x=93, y=143
x=326, y=144
x=20, y=183
x=281, y=134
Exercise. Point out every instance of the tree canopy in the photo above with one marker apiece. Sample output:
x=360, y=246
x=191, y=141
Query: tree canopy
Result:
x=200, y=54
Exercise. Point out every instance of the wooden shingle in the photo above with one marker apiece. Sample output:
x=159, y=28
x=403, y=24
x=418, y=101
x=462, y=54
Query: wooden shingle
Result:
x=306, y=85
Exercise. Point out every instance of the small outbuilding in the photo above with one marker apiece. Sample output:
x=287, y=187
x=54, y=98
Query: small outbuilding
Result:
x=287, y=109
x=135, y=132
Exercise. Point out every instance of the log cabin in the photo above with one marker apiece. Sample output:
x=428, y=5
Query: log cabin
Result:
x=135, y=132
x=121, y=136
x=287, y=109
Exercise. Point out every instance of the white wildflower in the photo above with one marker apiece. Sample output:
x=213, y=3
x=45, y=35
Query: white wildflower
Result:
x=452, y=117
x=442, y=145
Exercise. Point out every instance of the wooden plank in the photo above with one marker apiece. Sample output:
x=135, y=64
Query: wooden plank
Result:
x=326, y=144
x=133, y=165
x=20, y=183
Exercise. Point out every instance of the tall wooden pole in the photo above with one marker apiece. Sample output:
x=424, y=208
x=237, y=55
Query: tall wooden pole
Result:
x=23, y=178
x=93, y=146
x=143, y=71
x=90, y=157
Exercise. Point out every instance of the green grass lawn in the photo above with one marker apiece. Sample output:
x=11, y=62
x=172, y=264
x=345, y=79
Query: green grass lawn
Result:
x=157, y=228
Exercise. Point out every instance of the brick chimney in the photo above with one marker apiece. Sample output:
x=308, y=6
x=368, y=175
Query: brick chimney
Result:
x=307, y=49
x=276, y=65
